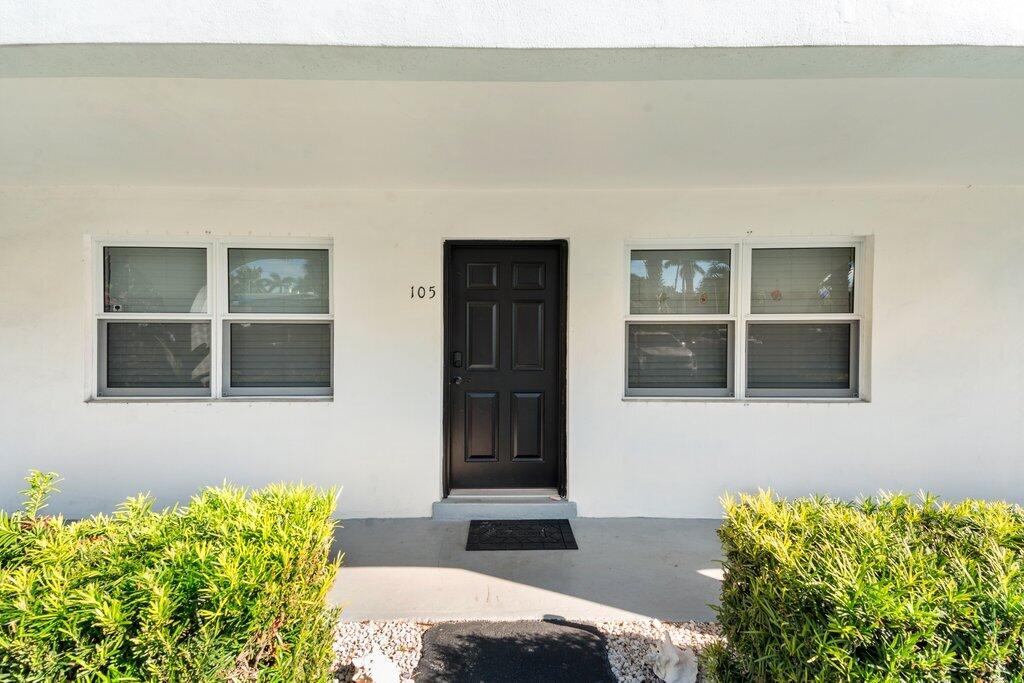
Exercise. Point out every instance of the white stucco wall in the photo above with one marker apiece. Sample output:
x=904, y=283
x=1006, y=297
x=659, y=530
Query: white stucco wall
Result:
x=511, y=135
x=945, y=415
x=517, y=23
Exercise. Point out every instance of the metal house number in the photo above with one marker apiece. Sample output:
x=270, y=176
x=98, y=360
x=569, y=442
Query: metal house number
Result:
x=422, y=292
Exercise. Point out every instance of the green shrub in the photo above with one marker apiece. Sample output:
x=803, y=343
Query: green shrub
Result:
x=881, y=590
x=230, y=588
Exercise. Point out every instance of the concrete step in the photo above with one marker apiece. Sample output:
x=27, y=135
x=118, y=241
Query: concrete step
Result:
x=464, y=508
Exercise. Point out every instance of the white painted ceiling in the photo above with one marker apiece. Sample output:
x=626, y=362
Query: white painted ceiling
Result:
x=422, y=134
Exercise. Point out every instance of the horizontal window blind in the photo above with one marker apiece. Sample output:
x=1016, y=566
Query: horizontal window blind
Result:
x=678, y=356
x=280, y=355
x=278, y=280
x=804, y=280
x=679, y=281
x=154, y=280
x=798, y=356
x=152, y=355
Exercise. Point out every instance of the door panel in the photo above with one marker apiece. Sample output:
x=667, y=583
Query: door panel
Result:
x=503, y=341
x=527, y=335
x=481, y=276
x=481, y=425
x=527, y=425
x=528, y=276
x=482, y=335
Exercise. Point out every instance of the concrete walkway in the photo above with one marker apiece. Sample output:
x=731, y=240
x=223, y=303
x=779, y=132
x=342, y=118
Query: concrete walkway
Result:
x=625, y=568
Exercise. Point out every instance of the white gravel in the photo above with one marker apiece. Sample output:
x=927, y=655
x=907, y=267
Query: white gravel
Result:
x=398, y=639
x=631, y=644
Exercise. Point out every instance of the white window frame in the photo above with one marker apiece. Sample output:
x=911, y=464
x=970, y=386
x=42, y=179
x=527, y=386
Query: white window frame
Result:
x=217, y=315
x=730, y=318
x=739, y=317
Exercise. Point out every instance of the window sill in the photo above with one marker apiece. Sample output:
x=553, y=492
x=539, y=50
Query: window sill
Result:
x=744, y=401
x=208, y=399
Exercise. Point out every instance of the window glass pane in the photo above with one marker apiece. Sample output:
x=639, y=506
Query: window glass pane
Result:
x=277, y=280
x=154, y=280
x=158, y=355
x=802, y=280
x=678, y=356
x=680, y=281
x=280, y=355
x=798, y=356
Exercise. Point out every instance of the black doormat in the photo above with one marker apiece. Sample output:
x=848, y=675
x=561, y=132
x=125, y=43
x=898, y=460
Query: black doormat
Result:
x=513, y=652
x=520, y=534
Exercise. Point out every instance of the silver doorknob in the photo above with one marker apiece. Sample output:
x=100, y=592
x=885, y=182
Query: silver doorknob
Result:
x=459, y=380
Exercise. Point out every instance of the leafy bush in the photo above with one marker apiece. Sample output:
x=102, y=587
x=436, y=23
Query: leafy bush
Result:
x=230, y=588
x=881, y=590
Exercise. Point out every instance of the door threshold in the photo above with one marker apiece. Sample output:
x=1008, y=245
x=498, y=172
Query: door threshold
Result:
x=467, y=508
x=505, y=493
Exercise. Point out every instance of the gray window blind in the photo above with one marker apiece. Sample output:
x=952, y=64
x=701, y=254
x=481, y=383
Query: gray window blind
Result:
x=154, y=280
x=799, y=356
x=679, y=281
x=677, y=356
x=804, y=280
x=278, y=280
x=280, y=355
x=151, y=355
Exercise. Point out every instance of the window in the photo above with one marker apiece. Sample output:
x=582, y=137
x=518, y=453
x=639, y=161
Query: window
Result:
x=744, y=319
x=680, y=327
x=213, y=320
x=802, y=334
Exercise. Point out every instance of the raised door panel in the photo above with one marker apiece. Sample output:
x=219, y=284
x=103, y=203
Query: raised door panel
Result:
x=481, y=335
x=481, y=276
x=528, y=276
x=528, y=426
x=527, y=335
x=481, y=426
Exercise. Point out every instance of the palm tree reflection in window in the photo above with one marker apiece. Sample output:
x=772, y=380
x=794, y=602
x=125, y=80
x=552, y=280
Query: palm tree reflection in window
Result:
x=281, y=285
x=248, y=280
x=679, y=281
x=278, y=280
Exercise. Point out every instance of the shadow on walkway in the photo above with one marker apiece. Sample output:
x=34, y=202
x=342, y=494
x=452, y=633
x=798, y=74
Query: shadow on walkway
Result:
x=624, y=568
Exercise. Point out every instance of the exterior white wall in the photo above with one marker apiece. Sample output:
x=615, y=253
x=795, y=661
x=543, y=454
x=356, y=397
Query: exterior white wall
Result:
x=947, y=372
x=517, y=23
x=175, y=132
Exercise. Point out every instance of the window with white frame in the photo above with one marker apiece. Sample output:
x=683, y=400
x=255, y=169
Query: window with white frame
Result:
x=744, y=319
x=213, y=319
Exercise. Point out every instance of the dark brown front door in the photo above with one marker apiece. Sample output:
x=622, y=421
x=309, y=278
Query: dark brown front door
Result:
x=504, y=341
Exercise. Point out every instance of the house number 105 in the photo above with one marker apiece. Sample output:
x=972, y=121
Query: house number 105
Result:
x=422, y=292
